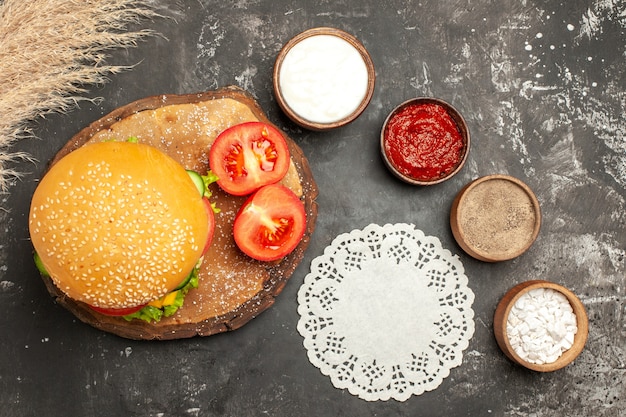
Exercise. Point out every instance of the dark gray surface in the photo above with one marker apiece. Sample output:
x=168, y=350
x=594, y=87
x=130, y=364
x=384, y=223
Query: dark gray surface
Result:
x=544, y=102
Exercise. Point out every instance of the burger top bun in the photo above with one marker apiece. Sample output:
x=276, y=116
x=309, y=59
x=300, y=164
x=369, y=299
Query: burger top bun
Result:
x=117, y=224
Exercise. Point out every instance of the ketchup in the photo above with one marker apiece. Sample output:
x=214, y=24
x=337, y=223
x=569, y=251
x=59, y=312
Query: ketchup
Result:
x=423, y=142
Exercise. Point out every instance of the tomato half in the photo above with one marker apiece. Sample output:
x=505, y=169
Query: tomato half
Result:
x=117, y=311
x=270, y=224
x=248, y=156
x=211, y=221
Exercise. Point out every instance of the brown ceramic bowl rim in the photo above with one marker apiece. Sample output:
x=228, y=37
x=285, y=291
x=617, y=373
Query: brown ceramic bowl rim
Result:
x=504, y=308
x=371, y=78
x=459, y=232
x=458, y=119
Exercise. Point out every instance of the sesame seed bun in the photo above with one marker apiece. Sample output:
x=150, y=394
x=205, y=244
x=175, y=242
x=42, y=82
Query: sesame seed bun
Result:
x=118, y=224
x=233, y=289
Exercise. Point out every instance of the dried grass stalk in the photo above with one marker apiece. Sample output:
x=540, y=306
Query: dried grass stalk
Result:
x=50, y=51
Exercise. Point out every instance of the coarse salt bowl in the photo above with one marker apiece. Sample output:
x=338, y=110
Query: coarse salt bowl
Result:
x=495, y=218
x=424, y=141
x=323, y=78
x=541, y=325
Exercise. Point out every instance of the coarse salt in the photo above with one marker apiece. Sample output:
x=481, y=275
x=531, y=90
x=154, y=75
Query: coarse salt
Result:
x=541, y=326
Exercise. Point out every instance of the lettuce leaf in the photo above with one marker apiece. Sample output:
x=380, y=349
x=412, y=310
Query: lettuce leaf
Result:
x=153, y=314
x=148, y=314
x=207, y=179
x=40, y=266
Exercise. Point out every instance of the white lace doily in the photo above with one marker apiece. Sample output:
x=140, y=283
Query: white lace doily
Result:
x=386, y=312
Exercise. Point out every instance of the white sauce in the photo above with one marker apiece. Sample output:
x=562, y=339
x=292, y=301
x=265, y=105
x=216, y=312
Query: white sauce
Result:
x=541, y=326
x=323, y=78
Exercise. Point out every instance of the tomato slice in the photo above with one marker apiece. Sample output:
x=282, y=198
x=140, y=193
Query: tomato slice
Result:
x=211, y=217
x=270, y=224
x=248, y=156
x=117, y=311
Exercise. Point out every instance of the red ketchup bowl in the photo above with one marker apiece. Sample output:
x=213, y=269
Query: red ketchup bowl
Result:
x=424, y=141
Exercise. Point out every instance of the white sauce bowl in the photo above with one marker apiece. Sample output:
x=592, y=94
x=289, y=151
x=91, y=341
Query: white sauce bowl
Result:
x=323, y=78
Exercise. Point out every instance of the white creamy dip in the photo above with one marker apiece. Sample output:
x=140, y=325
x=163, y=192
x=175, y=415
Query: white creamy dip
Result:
x=323, y=78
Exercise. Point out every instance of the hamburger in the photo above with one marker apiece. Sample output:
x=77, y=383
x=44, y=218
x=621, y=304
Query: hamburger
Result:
x=122, y=227
x=223, y=288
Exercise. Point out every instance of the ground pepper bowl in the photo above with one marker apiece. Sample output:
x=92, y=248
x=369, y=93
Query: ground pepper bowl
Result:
x=495, y=218
x=501, y=317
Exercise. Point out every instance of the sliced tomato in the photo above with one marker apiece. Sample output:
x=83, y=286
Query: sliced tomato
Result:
x=211, y=217
x=270, y=224
x=247, y=156
x=117, y=311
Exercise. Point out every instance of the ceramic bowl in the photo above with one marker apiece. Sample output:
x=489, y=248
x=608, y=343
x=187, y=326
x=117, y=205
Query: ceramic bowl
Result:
x=495, y=218
x=293, y=90
x=502, y=313
x=432, y=168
